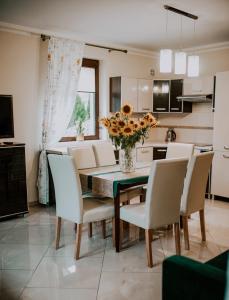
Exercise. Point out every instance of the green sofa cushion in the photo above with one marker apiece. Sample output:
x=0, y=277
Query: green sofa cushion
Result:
x=187, y=279
x=219, y=261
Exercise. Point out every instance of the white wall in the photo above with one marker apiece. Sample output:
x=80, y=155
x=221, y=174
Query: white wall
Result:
x=19, y=64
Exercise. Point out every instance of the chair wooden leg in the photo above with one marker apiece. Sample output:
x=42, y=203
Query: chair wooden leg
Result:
x=58, y=228
x=202, y=225
x=177, y=238
x=186, y=234
x=90, y=229
x=103, y=224
x=78, y=240
x=149, y=237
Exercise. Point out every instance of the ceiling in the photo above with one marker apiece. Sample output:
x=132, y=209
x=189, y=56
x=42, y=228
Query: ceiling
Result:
x=128, y=23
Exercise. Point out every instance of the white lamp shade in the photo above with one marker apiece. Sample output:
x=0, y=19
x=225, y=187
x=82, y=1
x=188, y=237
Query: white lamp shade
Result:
x=193, y=65
x=165, y=60
x=180, y=63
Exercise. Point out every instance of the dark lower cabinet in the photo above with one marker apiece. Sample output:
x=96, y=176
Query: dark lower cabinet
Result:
x=13, y=192
x=159, y=152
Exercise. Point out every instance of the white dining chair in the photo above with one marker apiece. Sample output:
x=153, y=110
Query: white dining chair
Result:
x=84, y=157
x=179, y=150
x=162, y=205
x=104, y=154
x=193, y=197
x=70, y=204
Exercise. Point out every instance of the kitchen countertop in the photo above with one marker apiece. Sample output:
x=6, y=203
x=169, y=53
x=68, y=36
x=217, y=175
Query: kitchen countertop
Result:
x=62, y=149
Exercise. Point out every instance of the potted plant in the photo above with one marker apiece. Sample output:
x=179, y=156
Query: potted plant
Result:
x=126, y=131
x=81, y=114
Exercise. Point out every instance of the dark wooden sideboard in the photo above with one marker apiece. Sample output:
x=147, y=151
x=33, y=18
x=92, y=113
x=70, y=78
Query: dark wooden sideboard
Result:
x=13, y=191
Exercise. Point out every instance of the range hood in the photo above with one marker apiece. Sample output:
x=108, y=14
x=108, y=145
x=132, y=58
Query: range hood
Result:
x=196, y=98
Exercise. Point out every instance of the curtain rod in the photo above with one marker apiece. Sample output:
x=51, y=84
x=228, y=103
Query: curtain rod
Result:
x=180, y=12
x=46, y=37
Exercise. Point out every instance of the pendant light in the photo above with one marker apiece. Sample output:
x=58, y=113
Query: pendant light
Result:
x=166, y=54
x=180, y=57
x=193, y=61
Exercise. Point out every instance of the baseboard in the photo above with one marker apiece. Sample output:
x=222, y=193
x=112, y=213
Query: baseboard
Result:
x=33, y=203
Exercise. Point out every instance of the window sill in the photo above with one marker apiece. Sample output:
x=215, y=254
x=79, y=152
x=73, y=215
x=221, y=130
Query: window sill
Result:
x=62, y=147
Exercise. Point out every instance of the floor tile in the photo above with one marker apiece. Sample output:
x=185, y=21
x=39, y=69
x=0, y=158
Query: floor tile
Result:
x=58, y=294
x=134, y=286
x=12, y=283
x=65, y=272
x=90, y=247
x=30, y=234
x=18, y=256
x=133, y=258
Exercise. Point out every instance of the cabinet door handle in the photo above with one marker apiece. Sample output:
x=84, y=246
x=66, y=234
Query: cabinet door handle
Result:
x=145, y=151
x=225, y=156
x=161, y=150
x=145, y=109
x=174, y=108
x=160, y=108
x=226, y=147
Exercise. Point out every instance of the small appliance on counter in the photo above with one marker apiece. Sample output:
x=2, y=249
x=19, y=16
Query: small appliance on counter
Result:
x=170, y=135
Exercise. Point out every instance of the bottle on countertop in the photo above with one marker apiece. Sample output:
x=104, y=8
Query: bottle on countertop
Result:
x=170, y=135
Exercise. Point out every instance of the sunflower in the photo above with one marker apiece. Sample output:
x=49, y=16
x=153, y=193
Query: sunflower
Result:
x=106, y=122
x=114, y=122
x=143, y=123
x=117, y=114
x=121, y=123
x=126, y=109
x=127, y=131
x=131, y=122
x=136, y=126
x=113, y=131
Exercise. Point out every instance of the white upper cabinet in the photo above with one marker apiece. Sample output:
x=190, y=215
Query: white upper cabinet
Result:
x=129, y=92
x=145, y=95
x=221, y=124
x=198, y=86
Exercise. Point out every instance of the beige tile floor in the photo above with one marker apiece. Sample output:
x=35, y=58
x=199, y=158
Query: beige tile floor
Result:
x=30, y=267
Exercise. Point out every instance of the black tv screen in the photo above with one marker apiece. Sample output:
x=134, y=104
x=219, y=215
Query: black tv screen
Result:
x=6, y=117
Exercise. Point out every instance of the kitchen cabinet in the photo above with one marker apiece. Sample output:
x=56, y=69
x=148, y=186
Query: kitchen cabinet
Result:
x=144, y=154
x=161, y=95
x=13, y=191
x=198, y=86
x=145, y=95
x=159, y=153
x=165, y=93
x=220, y=166
x=137, y=92
x=220, y=174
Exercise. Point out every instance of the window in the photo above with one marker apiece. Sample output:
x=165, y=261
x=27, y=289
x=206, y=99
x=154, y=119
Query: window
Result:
x=85, y=113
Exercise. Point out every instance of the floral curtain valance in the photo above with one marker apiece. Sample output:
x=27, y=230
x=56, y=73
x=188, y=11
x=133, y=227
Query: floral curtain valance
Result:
x=64, y=60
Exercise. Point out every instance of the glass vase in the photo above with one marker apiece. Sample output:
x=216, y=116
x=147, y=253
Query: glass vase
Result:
x=127, y=160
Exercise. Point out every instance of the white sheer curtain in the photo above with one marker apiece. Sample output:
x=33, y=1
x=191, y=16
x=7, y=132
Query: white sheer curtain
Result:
x=64, y=63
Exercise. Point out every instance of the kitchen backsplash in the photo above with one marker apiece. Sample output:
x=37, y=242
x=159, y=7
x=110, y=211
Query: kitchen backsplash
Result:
x=194, y=127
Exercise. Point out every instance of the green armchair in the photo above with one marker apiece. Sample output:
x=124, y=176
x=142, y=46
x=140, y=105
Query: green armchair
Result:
x=187, y=279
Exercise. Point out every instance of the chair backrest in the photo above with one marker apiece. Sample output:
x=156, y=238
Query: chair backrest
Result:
x=104, y=154
x=193, y=196
x=180, y=150
x=69, y=203
x=84, y=157
x=164, y=190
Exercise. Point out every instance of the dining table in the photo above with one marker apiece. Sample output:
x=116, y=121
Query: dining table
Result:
x=110, y=181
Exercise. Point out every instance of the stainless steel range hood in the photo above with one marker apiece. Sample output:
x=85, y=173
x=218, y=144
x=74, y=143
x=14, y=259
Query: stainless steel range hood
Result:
x=196, y=98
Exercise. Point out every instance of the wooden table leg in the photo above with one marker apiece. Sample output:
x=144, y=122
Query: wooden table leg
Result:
x=117, y=219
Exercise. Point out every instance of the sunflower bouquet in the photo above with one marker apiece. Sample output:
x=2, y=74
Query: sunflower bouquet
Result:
x=125, y=131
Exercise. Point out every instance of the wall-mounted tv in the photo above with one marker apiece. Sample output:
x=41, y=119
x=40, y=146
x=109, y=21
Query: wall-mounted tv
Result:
x=6, y=117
